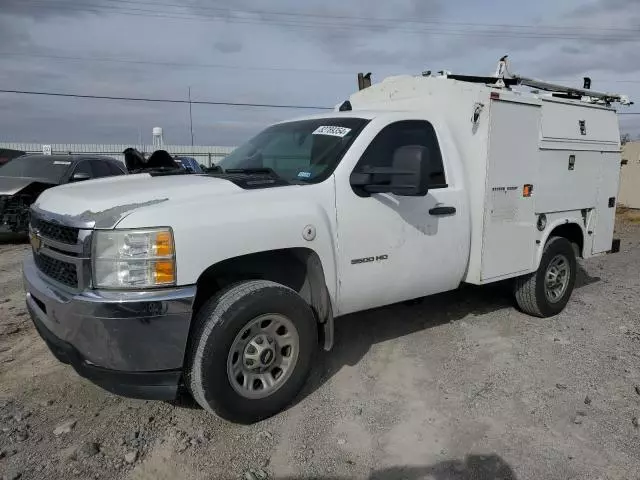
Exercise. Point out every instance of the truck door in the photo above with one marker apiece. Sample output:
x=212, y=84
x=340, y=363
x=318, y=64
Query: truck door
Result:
x=394, y=248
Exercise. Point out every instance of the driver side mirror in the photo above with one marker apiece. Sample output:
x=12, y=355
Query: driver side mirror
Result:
x=80, y=177
x=406, y=177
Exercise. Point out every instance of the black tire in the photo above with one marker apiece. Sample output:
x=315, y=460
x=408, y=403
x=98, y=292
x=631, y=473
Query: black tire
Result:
x=530, y=291
x=218, y=323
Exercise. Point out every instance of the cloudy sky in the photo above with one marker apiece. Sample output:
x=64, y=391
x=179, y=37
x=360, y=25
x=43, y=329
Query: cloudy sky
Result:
x=279, y=52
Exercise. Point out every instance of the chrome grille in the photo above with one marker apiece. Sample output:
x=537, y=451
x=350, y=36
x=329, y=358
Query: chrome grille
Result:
x=55, y=231
x=58, y=270
x=61, y=252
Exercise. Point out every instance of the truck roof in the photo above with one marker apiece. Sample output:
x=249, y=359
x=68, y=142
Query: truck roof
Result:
x=406, y=93
x=366, y=114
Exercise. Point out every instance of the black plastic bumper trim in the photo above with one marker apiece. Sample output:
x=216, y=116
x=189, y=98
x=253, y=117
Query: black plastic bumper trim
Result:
x=162, y=385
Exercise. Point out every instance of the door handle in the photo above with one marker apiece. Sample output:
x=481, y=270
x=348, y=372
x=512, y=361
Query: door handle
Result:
x=442, y=211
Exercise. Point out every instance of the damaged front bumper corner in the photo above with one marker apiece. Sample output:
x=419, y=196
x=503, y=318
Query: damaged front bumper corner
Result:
x=129, y=343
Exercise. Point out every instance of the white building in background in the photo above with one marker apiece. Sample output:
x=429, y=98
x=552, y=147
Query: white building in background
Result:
x=629, y=195
x=206, y=155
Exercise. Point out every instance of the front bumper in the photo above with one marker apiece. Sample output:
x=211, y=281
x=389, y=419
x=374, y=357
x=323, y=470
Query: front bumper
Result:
x=130, y=343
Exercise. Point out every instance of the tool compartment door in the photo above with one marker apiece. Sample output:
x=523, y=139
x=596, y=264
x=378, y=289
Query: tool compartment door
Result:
x=587, y=126
x=508, y=243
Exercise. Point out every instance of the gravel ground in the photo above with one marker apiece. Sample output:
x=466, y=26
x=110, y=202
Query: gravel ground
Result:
x=460, y=386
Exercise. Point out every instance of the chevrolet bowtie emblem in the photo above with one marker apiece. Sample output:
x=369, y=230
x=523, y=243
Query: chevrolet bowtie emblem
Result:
x=36, y=241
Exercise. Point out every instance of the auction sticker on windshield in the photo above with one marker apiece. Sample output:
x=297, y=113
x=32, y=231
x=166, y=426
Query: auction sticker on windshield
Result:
x=332, y=130
x=61, y=162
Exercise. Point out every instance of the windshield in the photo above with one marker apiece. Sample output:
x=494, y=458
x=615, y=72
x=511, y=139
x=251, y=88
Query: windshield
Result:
x=306, y=150
x=45, y=167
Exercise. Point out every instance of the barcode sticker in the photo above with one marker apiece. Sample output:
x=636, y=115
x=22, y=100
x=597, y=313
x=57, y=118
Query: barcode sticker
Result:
x=61, y=162
x=332, y=130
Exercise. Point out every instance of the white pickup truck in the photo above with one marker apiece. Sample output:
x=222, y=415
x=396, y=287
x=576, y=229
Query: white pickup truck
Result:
x=226, y=283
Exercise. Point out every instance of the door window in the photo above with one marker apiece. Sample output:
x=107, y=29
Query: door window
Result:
x=115, y=168
x=84, y=167
x=100, y=168
x=381, y=151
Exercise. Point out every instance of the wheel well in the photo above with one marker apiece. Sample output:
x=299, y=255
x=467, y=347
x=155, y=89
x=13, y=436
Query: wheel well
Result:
x=573, y=233
x=298, y=268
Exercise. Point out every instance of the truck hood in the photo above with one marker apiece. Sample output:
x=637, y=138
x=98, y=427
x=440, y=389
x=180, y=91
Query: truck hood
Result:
x=12, y=185
x=103, y=203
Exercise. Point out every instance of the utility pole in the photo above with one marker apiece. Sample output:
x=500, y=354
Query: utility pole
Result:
x=190, y=117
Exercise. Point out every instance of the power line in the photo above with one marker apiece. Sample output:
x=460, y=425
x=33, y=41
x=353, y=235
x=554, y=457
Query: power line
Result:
x=129, y=11
x=133, y=61
x=162, y=100
x=193, y=6
x=171, y=64
x=193, y=102
x=231, y=67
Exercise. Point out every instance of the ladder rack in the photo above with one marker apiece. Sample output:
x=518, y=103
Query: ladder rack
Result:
x=561, y=90
x=606, y=98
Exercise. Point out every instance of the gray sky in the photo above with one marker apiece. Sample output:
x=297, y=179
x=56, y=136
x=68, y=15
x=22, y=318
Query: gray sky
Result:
x=306, y=53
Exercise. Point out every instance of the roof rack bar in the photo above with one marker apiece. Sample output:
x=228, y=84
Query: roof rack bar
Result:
x=598, y=97
x=551, y=87
x=503, y=79
x=482, y=79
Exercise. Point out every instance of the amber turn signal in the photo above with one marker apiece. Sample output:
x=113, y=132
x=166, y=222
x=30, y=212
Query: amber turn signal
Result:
x=164, y=272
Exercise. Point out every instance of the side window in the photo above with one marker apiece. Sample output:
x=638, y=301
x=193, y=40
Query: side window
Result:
x=408, y=132
x=100, y=168
x=84, y=167
x=115, y=169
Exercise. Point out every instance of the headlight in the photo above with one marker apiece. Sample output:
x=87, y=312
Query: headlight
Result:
x=133, y=258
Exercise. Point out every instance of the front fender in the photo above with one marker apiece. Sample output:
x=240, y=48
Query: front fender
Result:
x=249, y=222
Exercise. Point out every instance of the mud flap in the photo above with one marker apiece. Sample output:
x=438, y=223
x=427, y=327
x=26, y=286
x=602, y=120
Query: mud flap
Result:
x=615, y=246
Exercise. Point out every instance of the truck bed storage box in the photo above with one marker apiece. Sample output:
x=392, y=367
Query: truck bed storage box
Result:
x=569, y=154
x=524, y=155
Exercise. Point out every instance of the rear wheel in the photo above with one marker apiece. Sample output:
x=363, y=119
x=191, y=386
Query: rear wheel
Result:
x=252, y=350
x=546, y=292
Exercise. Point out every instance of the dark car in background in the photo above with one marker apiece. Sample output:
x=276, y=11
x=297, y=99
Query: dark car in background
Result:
x=6, y=155
x=24, y=178
x=190, y=164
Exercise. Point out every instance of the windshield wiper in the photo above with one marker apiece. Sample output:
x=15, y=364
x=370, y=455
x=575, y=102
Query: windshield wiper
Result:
x=160, y=171
x=256, y=171
x=250, y=171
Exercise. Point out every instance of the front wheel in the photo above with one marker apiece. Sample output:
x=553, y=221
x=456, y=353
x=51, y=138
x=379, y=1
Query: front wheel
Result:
x=546, y=292
x=252, y=350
